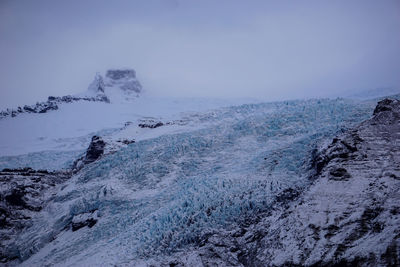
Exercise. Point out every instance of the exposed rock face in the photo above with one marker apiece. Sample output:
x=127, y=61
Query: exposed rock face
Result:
x=93, y=153
x=124, y=79
x=23, y=193
x=88, y=219
x=121, y=74
x=386, y=105
x=153, y=123
x=95, y=149
x=97, y=86
x=348, y=216
x=150, y=123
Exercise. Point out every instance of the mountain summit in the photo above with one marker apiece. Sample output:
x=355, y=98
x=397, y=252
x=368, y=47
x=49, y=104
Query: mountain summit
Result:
x=121, y=85
x=118, y=86
x=124, y=79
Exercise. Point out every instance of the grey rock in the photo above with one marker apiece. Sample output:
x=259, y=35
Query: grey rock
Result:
x=88, y=219
x=23, y=194
x=121, y=74
x=94, y=152
x=95, y=149
x=124, y=79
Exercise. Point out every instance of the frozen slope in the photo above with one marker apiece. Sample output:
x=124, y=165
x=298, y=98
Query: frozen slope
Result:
x=71, y=127
x=42, y=131
x=164, y=193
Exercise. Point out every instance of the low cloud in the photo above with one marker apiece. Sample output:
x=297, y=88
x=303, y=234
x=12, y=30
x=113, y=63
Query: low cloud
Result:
x=264, y=49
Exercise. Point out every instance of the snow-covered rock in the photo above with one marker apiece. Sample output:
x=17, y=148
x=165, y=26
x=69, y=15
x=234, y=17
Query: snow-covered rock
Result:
x=88, y=219
x=93, y=153
x=23, y=194
x=97, y=86
x=120, y=85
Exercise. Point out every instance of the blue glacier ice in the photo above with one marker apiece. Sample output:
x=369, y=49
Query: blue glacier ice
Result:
x=162, y=194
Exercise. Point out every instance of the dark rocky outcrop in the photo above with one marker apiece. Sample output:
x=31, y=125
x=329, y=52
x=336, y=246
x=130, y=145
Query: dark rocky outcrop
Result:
x=93, y=153
x=23, y=193
x=339, y=174
x=121, y=74
x=153, y=123
x=51, y=104
x=385, y=105
x=126, y=141
x=95, y=150
x=124, y=79
x=150, y=124
x=88, y=219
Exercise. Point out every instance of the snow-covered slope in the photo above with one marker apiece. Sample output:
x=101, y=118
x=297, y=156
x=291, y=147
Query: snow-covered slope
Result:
x=156, y=181
x=165, y=192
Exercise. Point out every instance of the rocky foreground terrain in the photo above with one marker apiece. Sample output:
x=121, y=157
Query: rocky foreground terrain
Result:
x=23, y=194
x=348, y=216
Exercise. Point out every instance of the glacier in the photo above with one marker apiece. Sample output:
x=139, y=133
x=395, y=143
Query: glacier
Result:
x=163, y=193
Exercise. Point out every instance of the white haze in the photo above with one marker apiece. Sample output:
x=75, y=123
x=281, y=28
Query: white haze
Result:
x=260, y=49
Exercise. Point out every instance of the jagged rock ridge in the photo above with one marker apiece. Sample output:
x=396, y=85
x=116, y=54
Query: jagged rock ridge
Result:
x=52, y=103
x=23, y=193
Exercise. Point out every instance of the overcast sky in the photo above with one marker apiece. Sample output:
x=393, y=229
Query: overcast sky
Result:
x=268, y=49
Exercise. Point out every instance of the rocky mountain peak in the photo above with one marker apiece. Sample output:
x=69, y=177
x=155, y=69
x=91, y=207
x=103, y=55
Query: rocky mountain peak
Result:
x=119, y=85
x=121, y=74
x=97, y=86
x=123, y=79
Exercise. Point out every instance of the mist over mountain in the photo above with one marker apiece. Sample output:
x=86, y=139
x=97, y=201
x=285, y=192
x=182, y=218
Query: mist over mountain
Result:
x=167, y=133
x=111, y=176
x=269, y=50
